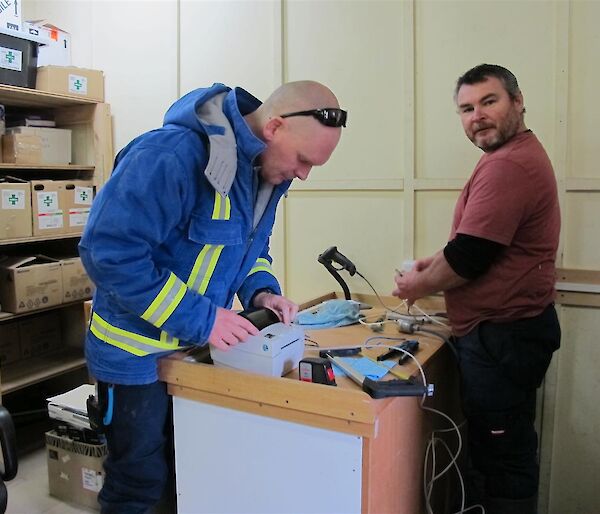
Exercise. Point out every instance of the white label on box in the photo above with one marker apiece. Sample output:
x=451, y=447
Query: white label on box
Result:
x=78, y=217
x=11, y=59
x=47, y=202
x=92, y=479
x=83, y=195
x=77, y=84
x=50, y=220
x=13, y=199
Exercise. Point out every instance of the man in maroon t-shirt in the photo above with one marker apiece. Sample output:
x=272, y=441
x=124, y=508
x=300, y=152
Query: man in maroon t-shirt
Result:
x=497, y=273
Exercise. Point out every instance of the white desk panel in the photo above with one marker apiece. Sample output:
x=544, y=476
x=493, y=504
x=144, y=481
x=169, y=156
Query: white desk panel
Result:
x=232, y=462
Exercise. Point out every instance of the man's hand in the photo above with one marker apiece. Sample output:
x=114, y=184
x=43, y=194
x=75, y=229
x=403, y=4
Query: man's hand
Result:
x=285, y=309
x=230, y=329
x=407, y=286
x=428, y=276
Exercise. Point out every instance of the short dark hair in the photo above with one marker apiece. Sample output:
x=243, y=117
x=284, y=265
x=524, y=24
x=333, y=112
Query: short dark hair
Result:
x=482, y=72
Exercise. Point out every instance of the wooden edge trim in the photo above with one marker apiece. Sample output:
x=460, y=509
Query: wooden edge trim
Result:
x=272, y=411
x=578, y=299
x=578, y=276
x=335, y=402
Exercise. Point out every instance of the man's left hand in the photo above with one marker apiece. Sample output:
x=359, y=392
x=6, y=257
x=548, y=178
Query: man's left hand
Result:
x=285, y=309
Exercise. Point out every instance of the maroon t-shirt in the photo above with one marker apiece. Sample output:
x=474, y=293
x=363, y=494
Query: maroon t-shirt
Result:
x=511, y=198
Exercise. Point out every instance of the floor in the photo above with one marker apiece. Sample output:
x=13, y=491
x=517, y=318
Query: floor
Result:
x=28, y=491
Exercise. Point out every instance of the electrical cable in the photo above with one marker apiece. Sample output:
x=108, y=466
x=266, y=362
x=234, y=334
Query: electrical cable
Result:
x=428, y=316
x=395, y=309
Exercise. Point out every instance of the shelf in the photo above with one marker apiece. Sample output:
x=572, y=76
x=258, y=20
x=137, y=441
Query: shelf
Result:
x=36, y=167
x=7, y=316
x=33, y=239
x=25, y=97
x=17, y=375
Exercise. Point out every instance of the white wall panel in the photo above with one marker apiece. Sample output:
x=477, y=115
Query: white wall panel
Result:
x=584, y=77
x=355, y=48
x=453, y=36
x=363, y=225
x=433, y=220
x=580, y=230
x=574, y=476
x=135, y=43
x=234, y=42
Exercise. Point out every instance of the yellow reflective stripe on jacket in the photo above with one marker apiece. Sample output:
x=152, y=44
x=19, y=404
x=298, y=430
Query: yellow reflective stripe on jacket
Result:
x=165, y=302
x=205, y=265
x=206, y=262
x=169, y=339
x=128, y=341
x=262, y=264
x=222, y=208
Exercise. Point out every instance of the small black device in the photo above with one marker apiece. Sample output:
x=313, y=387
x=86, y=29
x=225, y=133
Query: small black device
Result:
x=317, y=370
x=411, y=346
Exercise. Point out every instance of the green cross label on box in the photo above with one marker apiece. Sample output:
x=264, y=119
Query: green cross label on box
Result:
x=77, y=84
x=11, y=59
x=47, y=202
x=83, y=195
x=13, y=199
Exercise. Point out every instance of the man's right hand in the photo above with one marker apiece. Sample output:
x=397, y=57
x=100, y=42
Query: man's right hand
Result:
x=230, y=329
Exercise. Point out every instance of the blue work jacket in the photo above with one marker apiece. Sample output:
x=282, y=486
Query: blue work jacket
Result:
x=173, y=235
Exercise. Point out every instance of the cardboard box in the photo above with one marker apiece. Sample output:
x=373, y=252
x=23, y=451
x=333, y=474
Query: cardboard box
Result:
x=15, y=208
x=10, y=14
x=69, y=80
x=87, y=309
x=77, y=285
x=30, y=283
x=58, y=51
x=18, y=58
x=22, y=149
x=47, y=207
x=56, y=143
x=78, y=196
x=75, y=472
x=10, y=348
x=40, y=334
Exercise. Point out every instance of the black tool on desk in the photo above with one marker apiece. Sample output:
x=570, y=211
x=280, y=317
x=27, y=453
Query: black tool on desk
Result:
x=411, y=346
x=317, y=370
x=376, y=388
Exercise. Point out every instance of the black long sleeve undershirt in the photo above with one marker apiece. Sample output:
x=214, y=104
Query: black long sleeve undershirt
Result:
x=470, y=256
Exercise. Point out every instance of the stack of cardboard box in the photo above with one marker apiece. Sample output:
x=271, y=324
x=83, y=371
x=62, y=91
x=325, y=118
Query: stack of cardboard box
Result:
x=43, y=207
x=35, y=282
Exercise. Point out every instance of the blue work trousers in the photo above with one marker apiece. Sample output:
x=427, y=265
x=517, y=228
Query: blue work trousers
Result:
x=502, y=365
x=139, y=442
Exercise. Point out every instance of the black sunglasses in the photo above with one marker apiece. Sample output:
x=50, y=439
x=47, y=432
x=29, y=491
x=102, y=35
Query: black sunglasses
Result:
x=330, y=116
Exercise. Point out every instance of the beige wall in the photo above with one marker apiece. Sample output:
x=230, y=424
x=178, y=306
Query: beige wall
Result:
x=388, y=192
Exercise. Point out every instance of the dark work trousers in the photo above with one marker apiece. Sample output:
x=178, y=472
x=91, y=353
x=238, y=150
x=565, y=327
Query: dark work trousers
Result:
x=502, y=365
x=139, y=440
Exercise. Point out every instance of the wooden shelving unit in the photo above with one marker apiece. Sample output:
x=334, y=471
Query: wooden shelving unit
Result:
x=92, y=157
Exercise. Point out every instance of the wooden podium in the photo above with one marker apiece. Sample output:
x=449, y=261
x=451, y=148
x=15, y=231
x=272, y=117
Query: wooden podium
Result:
x=246, y=443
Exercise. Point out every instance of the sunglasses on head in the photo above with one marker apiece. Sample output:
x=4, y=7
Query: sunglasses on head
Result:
x=329, y=116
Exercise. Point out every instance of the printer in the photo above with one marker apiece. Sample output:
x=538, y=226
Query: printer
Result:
x=275, y=351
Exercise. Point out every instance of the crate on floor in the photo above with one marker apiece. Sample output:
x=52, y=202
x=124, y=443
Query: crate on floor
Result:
x=75, y=472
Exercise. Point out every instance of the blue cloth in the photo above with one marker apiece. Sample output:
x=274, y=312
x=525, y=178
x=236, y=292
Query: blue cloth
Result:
x=138, y=440
x=331, y=313
x=154, y=217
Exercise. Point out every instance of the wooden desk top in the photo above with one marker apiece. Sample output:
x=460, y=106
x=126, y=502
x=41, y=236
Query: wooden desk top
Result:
x=345, y=408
